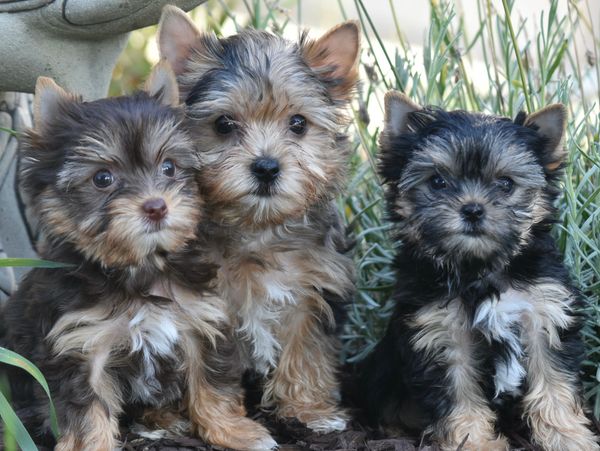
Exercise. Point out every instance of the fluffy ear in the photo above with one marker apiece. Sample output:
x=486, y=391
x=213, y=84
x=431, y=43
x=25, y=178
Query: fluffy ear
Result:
x=47, y=101
x=397, y=108
x=176, y=37
x=550, y=123
x=334, y=57
x=162, y=84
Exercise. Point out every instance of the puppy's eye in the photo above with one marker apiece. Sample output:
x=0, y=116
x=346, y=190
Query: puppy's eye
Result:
x=168, y=168
x=103, y=178
x=506, y=184
x=298, y=124
x=437, y=182
x=224, y=125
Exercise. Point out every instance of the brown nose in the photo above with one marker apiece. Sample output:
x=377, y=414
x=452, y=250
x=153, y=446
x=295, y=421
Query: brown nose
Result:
x=155, y=209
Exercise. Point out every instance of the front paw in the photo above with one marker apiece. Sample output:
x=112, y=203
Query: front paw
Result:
x=239, y=433
x=319, y=419
x=570, y=437
x=100, y=442
x=477, y=444
x=328, y=424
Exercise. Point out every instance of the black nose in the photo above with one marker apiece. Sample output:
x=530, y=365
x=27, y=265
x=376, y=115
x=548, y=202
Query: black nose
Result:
x=155, y=209
x=265, y=169
x=472, y=212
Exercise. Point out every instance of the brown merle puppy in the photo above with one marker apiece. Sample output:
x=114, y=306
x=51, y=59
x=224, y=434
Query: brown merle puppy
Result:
x=132, y=321
x=487, y=323
x=267, y=117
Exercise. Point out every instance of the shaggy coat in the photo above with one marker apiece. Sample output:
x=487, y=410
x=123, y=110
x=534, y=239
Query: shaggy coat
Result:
x=487, y=325
x=267, y=117
x=132, y=320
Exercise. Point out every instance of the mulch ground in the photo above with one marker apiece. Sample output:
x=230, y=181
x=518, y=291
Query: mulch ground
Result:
x=291, y=435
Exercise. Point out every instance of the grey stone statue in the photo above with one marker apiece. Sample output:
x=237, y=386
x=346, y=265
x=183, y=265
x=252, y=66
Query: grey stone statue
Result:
x=76, y=42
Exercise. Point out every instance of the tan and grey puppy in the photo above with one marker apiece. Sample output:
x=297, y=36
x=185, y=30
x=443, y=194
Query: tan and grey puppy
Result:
x=131, y=321
x=268, y=118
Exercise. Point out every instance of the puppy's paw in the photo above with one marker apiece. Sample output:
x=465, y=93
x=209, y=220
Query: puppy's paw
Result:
x=71, y=442
x=478, y=444
x=327, y=424
x=567, y=439
x=267, y=443
x=322, y=419
x=239, y=433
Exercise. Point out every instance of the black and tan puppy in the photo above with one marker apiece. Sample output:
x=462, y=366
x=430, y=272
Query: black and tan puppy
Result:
x=268, y=119
x=131, y=321
x=487, y=322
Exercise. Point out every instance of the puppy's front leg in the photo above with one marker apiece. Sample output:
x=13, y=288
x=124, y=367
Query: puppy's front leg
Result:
x=215, y=406
x=553, y=405
x=444, y=337
x=88, y=404
x=304, y=384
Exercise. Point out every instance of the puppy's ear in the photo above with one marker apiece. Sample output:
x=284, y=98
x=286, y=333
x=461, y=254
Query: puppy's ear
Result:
x=550, y=123
x=162, y=84
x=177, y=35
x=334, y=58
x=397, y=108
x=49, y=97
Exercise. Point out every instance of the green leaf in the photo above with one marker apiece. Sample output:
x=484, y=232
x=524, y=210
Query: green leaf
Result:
x=10, y=131
x=10, y=444
x=12, y=358
x=14, y=426
x=31, y=263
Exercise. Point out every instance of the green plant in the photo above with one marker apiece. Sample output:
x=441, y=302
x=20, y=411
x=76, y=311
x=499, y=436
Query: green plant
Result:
x=14, y=431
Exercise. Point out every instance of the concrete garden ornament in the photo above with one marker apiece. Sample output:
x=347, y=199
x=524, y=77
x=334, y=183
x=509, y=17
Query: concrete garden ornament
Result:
x=76, y=42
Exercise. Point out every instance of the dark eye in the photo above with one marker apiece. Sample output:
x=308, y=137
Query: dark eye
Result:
x=224, y=125
x=437, y=182
x=168, y=168
x=103, y=178
x=298, y=124
x=505, y=184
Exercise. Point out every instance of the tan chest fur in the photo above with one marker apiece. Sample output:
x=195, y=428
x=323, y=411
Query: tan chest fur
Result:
x=267, y=280
x=108, y=334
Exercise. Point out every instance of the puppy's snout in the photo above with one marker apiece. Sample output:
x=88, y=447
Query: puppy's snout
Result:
x=472, y=212
x=265, y=169
x=155, y=209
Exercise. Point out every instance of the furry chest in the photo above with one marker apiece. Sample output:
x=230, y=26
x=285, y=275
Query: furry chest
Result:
x=261, y=294
x=154, y=347
x=139, y=345
x=512, y=330
x=500, y=321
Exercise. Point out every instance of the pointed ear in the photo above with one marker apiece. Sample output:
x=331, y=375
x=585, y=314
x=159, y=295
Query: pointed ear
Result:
x=162, y=84
x=47, y=101
x=550, y=123
x=334, y=57
x=176, y=37
x=397, y=108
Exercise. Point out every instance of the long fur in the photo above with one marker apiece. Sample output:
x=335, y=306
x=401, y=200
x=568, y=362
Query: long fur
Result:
x=133, y=320
x=281, y=249
x=487, y=323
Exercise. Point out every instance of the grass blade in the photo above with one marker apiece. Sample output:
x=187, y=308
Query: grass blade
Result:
x=12, y=358
x=14, y=426
x=31, y=263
